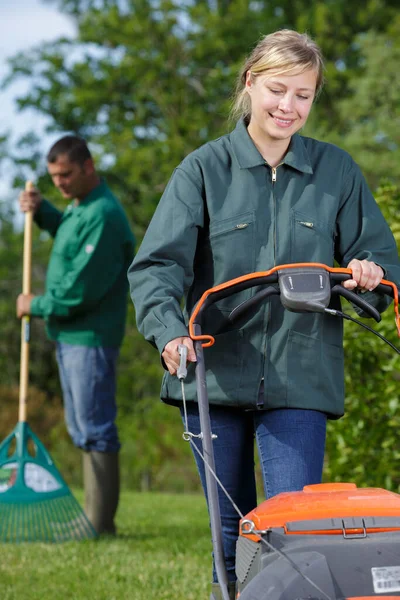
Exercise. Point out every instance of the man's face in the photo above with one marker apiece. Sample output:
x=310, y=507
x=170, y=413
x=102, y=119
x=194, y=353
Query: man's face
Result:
x=72, y=179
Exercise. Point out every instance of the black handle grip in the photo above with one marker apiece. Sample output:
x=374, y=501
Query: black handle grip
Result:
x=233, y=289
x=338, y=277
x=387, y=290
x=245, y=306
x=358, y=301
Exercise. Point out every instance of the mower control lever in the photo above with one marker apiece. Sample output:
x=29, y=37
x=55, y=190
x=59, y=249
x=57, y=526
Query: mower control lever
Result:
x=303, y=287
x=357, y=300
x=243, y=307
x=339, y=290
x=182, y=370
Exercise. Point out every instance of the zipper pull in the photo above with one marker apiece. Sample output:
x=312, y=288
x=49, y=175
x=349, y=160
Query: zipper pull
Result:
x=307, y=224
x=273, y=173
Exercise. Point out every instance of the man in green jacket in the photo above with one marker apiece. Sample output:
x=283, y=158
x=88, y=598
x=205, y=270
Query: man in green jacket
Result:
x=84, y=306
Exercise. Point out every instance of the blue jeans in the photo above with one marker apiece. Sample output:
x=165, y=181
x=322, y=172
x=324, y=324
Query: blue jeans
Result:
x=88, y=382
x=291, y=445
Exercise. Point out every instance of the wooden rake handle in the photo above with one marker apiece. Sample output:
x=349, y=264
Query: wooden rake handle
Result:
x=25, y=322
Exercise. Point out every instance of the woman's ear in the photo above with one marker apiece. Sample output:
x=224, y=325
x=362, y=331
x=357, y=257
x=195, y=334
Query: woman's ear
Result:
x=249, y=80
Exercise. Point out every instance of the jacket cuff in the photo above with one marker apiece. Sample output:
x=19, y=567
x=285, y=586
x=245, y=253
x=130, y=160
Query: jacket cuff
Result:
x=175, y=331
x=37, y=308
x=45, y=208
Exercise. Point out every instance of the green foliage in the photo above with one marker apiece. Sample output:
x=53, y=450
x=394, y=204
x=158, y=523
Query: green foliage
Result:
x=362, y=447
x=11, y=246
x=147, y=82
x=368, y=122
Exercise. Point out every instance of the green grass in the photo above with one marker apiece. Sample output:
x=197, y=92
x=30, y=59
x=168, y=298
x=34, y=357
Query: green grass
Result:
x=163, y=551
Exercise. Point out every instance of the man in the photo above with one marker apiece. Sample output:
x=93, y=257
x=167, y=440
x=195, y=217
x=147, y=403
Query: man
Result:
x=84, y=306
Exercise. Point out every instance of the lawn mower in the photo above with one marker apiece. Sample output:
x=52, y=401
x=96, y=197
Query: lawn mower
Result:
x=328, y=541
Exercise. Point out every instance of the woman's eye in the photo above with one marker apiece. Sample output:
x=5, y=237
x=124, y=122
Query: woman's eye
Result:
x=275, y=91
x=302, y=97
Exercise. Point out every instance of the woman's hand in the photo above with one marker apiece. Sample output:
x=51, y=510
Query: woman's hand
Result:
x=366, y=275
x=171, y=356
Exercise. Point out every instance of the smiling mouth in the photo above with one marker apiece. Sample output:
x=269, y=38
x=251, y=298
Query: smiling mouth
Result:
x=282, y=122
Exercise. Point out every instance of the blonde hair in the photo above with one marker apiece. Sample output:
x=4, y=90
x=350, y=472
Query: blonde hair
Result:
x=284, y=51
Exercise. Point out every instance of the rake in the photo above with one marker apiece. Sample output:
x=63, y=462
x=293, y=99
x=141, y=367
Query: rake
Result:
x=35, y=502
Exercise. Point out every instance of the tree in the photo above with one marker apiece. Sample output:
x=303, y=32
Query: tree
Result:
x=146, y=82
x=362, y=447
x=368, y=124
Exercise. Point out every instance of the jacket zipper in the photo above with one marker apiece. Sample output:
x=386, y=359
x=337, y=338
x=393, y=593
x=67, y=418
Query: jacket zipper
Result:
x=273, y=178
x=274, y=172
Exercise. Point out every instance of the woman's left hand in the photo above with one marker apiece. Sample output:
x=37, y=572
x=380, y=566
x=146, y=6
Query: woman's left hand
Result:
x=366, y=275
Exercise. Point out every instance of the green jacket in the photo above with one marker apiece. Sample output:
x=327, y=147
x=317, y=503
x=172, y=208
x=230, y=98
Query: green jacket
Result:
x=86, y=286
x=222, y=215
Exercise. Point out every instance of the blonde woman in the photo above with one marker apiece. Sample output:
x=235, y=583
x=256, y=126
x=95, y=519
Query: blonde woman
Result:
x=263, y=195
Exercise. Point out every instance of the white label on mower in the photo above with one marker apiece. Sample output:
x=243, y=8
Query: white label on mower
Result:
x=386, y=579
x=39, y=479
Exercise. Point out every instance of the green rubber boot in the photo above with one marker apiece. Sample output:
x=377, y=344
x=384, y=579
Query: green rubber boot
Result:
x=216, y=591
x=101, y=483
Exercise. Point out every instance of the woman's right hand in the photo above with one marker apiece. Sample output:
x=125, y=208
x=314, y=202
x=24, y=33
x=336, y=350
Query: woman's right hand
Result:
x=171, y=356
x=30, y=200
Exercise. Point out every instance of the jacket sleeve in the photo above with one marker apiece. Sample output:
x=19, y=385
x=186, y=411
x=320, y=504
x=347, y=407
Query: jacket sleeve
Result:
x=363, y=233
x=48, y=217
x=92, y=272
x=163, y=268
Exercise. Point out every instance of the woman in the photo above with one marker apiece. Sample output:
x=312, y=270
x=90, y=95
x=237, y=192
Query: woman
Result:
x=259, y=197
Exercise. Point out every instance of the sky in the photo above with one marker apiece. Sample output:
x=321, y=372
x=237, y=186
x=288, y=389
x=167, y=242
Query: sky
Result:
x=23, y=25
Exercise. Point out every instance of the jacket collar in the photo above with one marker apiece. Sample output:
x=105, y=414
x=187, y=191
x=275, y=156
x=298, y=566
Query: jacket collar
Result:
x=248, y=156
x=93, y=195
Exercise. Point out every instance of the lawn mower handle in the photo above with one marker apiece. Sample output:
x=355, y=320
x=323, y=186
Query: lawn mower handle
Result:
x=268, y=278
x=240, y=284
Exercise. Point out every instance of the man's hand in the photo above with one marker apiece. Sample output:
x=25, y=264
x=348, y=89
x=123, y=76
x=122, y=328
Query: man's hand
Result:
x=366, y=275
x=24, y=305
x=171, y=355
x=29, y=200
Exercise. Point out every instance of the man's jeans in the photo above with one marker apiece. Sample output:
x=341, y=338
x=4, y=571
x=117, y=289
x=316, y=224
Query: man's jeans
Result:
x=291, y=444
x=88, y=381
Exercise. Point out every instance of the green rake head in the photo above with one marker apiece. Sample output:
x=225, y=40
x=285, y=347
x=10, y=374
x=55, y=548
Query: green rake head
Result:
x=35, y=502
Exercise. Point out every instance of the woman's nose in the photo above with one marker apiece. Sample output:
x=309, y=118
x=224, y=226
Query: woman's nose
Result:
x=286, y=103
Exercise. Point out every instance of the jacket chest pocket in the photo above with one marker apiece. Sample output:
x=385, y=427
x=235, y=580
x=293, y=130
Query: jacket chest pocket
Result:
x=66, y=247
x=67, y=242
x=312, y=240
x=232, y=244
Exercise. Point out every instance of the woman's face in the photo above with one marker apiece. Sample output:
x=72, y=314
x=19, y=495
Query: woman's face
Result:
x=280, y=104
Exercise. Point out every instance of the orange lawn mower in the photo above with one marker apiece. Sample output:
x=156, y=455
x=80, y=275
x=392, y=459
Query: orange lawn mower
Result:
x=329, y=541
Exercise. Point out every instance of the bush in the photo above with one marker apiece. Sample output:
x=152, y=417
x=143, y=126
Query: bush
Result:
x=363, y=446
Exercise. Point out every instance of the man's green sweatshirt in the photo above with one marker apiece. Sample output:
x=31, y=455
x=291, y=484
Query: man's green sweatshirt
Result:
x=86, y=285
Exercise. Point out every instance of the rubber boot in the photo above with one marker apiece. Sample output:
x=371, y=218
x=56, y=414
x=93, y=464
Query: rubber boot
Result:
x=101, y=483
x=216, y=593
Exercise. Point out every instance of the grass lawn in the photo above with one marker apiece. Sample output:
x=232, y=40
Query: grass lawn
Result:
x=163, y=551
